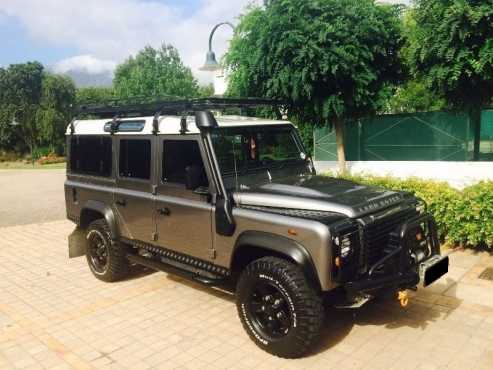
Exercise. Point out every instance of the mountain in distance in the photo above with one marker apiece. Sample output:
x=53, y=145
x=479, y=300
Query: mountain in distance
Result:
x=84, y=79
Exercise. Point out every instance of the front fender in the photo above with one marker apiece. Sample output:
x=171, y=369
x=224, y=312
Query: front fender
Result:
x=280, y=245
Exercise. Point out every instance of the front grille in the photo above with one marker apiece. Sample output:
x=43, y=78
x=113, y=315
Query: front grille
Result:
x=375, y=236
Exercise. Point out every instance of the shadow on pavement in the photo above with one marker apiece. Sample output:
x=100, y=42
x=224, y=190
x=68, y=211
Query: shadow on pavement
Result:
x=385, y=311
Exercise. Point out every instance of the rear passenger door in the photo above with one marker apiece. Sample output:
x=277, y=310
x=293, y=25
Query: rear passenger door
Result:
x=133, y=197
x=183, y=215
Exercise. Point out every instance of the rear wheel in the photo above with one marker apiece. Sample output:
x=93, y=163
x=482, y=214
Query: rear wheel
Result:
x=106, y=258
x=281, y=312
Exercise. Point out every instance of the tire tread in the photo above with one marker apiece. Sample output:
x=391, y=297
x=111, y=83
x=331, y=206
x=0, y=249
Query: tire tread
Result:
x=310, y=313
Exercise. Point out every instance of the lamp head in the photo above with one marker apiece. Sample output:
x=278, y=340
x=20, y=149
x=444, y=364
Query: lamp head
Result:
x=211, y=64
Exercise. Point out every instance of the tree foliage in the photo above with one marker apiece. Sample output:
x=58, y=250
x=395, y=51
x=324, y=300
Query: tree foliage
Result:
x=56, y=109
x=452, y=49
x=94, y=95
x=206, y=91
x=155, y=72
x=330, y=58
x=40, y=103
x=21, y=86
x=415, y=96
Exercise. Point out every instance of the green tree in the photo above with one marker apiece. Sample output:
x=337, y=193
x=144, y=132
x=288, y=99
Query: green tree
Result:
x=415, y=96
x=94, y=95
x=21, y=86
x=452, y=51
x=6, y=114
x=206, y=91
x=55, y=110
x=155, y=73
x=330, y=59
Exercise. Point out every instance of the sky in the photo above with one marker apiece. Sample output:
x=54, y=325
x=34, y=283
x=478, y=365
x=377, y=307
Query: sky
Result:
x=93, y=36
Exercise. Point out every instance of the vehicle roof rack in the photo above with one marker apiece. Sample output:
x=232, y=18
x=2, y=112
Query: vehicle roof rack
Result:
x=126, y=108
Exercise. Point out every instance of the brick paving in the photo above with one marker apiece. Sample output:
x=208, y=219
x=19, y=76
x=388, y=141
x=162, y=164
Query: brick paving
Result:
x=55, y=315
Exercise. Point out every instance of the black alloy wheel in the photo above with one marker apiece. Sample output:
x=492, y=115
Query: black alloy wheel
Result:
x=98, y=252
x=269, y=311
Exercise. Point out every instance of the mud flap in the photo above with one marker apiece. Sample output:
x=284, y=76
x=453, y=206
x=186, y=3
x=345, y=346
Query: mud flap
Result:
x=77, y=243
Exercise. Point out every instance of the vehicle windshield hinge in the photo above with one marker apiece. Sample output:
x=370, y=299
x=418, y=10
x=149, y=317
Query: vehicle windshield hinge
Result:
x=213, y=254
x=155, y=237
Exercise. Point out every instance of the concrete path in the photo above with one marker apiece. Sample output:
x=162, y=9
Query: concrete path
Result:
x=30, y=196
x=55, y=315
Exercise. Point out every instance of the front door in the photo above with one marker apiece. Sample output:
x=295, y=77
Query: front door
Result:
x=183, y=216
x=133, y=197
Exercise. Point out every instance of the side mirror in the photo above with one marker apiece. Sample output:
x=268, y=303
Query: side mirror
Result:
x=194, y=177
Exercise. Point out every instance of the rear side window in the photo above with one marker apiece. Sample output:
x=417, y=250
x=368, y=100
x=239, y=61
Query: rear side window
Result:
x=135, y=159
x=91, y=155
x=178, y=155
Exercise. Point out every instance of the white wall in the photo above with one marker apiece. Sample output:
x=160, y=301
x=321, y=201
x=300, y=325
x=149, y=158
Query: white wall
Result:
x=457, y=174
x=220, y=83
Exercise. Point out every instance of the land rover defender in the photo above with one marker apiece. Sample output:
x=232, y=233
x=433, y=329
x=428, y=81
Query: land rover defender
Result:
x=235, y=201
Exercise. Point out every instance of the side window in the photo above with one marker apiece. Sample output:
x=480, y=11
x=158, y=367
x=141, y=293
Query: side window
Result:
x=91, y=155
x=135, y=159
x=180, y=155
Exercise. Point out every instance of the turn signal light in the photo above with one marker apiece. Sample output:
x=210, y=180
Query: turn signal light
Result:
x=338, y=262
x=292, y=232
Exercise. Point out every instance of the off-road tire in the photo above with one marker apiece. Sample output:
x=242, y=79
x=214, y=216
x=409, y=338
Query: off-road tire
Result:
x=117, y=267
x=302, y=299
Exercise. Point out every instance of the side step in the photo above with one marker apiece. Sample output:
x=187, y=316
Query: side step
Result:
x=204, y=277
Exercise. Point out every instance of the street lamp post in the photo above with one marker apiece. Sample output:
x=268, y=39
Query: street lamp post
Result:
x=211, y=63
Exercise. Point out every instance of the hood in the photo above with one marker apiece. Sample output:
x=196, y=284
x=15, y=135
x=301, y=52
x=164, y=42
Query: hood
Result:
x=319, y=193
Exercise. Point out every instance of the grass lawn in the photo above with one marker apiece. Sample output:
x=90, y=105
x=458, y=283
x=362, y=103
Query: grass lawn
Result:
x=22, y=165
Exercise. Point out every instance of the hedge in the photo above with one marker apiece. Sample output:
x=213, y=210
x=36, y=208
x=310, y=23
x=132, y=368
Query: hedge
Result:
x=463, y=217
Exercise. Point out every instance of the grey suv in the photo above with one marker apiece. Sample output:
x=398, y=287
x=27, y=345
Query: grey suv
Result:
x=233, y=201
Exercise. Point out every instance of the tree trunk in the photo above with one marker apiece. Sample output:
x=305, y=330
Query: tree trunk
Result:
x=475, y=116
x=31, y=146
x=341, y=155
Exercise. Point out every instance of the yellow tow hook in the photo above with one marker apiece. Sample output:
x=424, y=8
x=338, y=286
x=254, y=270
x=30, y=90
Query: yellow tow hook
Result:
x=403, y=298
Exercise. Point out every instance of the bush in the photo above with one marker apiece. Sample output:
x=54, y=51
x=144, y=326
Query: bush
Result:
x=9, y=156
x=51, y=159
x=41, y=152
x=463, y=217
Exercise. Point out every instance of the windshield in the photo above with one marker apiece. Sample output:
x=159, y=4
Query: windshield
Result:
x=254, y=155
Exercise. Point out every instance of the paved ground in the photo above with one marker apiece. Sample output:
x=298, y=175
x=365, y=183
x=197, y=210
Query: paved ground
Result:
x=29, y=196
x=55, y=315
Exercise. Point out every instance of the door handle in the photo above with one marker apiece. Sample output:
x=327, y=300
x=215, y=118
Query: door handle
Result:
x=164, y=211
x=121, y=202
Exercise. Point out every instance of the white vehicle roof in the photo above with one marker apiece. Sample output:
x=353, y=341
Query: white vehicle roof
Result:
x=168, y=125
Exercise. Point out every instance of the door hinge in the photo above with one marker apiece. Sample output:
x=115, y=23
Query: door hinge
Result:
x=213, y=254
x=155, y=237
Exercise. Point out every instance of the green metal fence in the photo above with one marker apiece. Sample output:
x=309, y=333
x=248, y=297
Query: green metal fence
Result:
x=432, y=136
x=486, y=146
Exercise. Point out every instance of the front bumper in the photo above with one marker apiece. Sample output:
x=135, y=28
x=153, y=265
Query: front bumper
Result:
x=396, y=269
